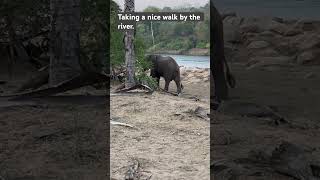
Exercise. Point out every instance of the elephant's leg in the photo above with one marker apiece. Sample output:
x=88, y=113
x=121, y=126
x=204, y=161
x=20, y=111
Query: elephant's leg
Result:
x=158, y=81
x=178, y=83
x=217, y=52
x=166, y=87
x=220, y=84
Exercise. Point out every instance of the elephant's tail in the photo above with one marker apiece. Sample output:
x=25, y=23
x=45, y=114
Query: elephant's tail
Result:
x=181, y=86
x=229, y=76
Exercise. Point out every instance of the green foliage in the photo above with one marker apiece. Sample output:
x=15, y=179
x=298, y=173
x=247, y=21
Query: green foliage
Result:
x=117, y=53
x=202, y=44
x=142, y=64
x=94, y=35
x=179, y=44
x=176, y=35
x=147, y=80
x=117, y=56
x=26, y=18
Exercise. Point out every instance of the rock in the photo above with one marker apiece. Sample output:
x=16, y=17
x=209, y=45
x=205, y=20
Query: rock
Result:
x=310, y=75
x=278, y=19
x=267, y=34
x=277, y=27
x=231, y=33
x=306, y=41
x=233, y=20
x=293, y=32
x=249, y=28
x=258, y=45
x=207, y=79
x=228, y=14
x=202, y=113
x=199, y=112
x=183, y=72
x=309, y=57
x=271, y=60
x=250, y=25
x=292, y=160
x=285, y=49
x=268, y=52
x=258, y=25
x=304, y=25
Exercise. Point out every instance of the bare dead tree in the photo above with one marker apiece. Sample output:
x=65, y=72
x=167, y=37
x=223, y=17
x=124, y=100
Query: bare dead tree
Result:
x=65, y=41
x=129, y=49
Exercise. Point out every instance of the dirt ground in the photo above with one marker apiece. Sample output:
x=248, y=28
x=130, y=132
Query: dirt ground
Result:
x=62, y=137
x=293, y=92
x=169, y=138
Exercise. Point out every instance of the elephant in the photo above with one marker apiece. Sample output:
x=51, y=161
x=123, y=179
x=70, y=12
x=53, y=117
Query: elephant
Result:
x=217, y=56
x=166, y=67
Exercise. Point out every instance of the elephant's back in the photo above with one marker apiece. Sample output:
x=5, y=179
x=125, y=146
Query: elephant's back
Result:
x=168, y=61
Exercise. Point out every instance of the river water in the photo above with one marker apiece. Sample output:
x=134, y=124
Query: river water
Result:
x=191, y=61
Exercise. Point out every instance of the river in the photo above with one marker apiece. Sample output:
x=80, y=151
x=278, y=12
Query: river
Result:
x=191, y=61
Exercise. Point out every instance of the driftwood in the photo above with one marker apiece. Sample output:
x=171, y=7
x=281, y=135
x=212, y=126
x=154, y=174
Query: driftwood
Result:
x=83, y=79
x=120, y=124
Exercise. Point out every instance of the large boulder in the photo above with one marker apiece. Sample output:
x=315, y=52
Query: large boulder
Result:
x=305, y=25
x=255, y=62
x=231, y=29
x=266, y=52
x=258, y=25
x=308, y=41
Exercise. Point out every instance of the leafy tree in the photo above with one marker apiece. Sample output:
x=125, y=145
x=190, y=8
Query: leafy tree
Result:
x=117, y=53
x=176, y=35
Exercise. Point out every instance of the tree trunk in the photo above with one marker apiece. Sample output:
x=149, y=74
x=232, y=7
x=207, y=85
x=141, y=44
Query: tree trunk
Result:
x=129, y=48
x=65, y=41
x=217, y=55
x=152, y=33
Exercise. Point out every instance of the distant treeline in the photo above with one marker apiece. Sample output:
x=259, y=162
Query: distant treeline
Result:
x=179, y=36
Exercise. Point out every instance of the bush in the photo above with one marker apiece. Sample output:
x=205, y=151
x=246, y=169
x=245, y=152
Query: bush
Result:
x=142, y=64
x=201, y=44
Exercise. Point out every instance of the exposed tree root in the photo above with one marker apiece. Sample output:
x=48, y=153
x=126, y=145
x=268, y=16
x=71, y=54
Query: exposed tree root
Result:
x=36, y=81
x=137, y=86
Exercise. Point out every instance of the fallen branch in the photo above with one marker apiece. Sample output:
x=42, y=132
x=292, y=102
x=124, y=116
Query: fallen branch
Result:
x=137, y=86
x=120, y=124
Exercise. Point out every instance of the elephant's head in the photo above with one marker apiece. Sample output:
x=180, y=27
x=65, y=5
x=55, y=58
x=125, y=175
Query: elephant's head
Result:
x=150, y=58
